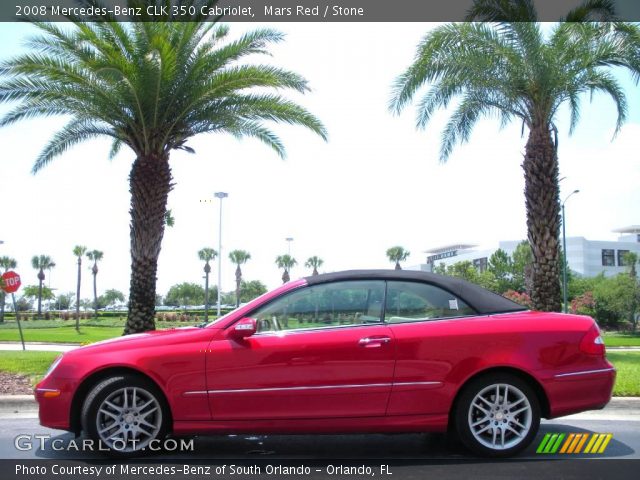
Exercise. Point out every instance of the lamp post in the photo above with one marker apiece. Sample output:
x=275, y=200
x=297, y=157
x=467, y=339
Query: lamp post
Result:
x=564, y=254
x=289, y=240
x=220, y=195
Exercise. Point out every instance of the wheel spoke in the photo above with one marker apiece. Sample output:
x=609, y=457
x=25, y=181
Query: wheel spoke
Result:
x=113, y=406
x=509, y=427
x=479, y=407
x=480, y=422
x=491, y=416
x=108, y=413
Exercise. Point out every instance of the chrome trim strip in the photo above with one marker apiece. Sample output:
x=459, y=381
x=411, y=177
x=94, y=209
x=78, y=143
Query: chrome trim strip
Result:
x=196, y=392
x=288, y=389
x=586, y=372
x=319, y=387
x=47, y=390
x=416, y=383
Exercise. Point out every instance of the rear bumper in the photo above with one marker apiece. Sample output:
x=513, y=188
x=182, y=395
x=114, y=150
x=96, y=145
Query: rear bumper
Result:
x=580, y=390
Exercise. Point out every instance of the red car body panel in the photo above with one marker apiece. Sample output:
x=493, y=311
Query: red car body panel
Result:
x=405, y=377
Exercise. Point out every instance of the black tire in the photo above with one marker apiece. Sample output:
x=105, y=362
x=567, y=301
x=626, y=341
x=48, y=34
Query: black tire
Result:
x=495, y=430
x=110, y=418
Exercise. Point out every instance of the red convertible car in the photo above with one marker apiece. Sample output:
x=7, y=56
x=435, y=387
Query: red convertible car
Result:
x=347, y=352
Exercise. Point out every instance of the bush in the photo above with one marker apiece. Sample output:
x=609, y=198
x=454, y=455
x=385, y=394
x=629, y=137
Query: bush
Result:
x=522, y=298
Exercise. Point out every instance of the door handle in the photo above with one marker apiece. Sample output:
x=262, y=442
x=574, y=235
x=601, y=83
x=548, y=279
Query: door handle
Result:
x=373, y=341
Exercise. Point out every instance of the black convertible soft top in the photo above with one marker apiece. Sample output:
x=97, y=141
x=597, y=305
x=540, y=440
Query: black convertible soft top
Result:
x=481, y=300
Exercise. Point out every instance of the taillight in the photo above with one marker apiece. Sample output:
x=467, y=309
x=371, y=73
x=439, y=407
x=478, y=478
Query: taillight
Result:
x=592, y=343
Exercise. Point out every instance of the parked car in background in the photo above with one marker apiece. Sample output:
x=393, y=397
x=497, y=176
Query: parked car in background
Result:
x=347, y=352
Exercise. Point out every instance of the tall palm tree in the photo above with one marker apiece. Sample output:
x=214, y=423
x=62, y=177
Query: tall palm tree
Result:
x=286, y=262
x=206, y=255
x=513, y=70
x=397, y=254
x=315, y=263
x=41, y=263
x=239, y=257
x=6, y=264
x=151, y=86
x=78, y=251
x=95, y=256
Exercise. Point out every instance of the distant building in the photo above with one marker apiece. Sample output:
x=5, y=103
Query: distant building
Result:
x=585, y=257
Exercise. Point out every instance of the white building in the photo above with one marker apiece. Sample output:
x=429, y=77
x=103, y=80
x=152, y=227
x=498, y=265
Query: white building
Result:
x=585, y=257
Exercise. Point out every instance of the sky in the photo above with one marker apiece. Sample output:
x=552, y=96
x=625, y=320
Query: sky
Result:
x=376, y=183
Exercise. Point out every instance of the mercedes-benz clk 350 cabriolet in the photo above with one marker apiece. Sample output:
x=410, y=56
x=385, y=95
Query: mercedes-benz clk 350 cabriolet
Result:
x=347, y=352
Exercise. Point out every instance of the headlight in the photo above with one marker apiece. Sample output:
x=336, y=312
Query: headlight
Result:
x=53, y=366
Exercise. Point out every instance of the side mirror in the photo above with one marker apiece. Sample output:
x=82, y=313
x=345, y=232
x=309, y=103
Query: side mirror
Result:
x=244, y=328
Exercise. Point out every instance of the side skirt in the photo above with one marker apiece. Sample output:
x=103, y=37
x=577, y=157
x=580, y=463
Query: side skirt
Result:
x=391, y=424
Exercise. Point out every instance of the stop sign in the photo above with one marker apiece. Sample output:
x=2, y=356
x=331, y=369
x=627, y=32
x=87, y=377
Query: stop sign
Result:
x=10, y=282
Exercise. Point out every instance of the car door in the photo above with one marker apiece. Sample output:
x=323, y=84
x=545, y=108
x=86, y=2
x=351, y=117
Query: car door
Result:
x=423, y=319
x=320, y=351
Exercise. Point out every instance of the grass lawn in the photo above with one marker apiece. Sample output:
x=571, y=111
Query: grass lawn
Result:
x=30, y=364
x=34, y=364
x=65, y=334
x=615, y=339
x=628, y=366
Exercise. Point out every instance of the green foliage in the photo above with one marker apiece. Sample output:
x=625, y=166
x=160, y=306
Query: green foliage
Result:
x=64, y=301
x=207, y=254
x=522, y=264
x=239, y=257
x=251, y=290
x=500, y=265
x=31, y=292
x=612, y=301
x=187, y=294
x=397, y=254
x=110, y=297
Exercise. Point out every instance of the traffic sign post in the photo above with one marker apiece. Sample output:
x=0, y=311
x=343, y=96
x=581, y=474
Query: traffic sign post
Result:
x=10, y=284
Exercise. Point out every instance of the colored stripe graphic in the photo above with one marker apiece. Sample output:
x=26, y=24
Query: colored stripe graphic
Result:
x=582, y=442
x=568, y=442
x=543, y=443
x=573, y=443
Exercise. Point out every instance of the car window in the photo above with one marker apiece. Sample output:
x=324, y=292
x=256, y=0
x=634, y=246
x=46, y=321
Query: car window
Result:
x=325, y=305
x=415, y=302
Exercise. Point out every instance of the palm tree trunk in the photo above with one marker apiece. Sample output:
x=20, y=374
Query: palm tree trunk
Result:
x=285, y=276
x=238, y=281
x=206, y=294
x=543, y=217
x=78, y=294
x=95, y=293
x=398, y=267
x=40, y=280
x=149, y=184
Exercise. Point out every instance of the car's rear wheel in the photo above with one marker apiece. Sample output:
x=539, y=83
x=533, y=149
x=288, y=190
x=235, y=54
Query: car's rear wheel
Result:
x=125, y=414
x=497, y=415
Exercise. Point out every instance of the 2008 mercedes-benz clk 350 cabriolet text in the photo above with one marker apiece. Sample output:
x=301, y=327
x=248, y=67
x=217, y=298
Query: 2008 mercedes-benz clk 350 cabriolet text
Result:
x=347, y=352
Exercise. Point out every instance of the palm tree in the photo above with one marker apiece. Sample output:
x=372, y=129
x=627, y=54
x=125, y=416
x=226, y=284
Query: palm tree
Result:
x=79, y=252
x=315, y=263
x=286, y=262
x=239, y=257
x=6, y=263
x=41, y=263
x=206, y=254
x=151, y=86
x=397, y=255
x=514, y=70
x=95, y=256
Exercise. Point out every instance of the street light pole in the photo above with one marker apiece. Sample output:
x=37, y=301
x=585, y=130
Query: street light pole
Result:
x=289, y=240
x=220, y=195
x=564, y=254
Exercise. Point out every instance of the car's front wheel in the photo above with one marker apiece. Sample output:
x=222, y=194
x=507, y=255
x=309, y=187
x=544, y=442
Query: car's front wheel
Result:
x=497, y=415
x=125, y=414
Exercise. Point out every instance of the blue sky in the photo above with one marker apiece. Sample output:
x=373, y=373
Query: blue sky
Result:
x=375, y=184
